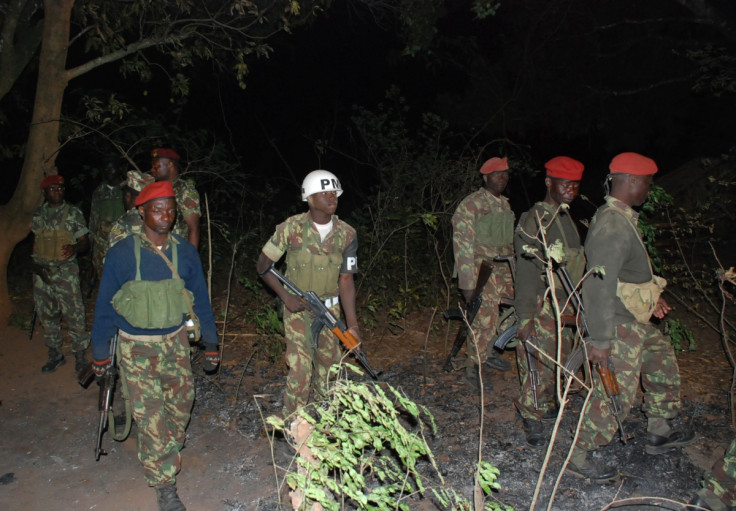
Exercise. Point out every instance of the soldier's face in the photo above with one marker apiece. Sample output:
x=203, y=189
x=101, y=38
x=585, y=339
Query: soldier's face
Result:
x=639, y=188
x=562, y=191
x=54, y=194
x=324, y=202
x=160, y=169
x=496, y=181
x=158, y=215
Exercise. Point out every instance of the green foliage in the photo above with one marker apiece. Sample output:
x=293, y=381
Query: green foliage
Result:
x=657, y=201
x=362, y=454
x=485, y=8
x=264, y=316
x=716, y=66
x=680, y=334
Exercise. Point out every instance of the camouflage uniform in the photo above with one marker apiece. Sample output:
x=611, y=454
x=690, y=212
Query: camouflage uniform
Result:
x=719, y=484
x=130, y=223
x=530, y=303
x=106, y=207
x=155, y=363
x=187, y=203
x=483, y=228
x=297, y=237
x=56, y=290
x=637, y=349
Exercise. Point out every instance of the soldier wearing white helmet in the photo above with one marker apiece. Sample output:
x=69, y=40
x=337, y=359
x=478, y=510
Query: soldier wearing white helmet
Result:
x=321, y=256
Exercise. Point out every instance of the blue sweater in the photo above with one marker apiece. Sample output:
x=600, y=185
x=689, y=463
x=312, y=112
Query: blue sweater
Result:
x=120, y=268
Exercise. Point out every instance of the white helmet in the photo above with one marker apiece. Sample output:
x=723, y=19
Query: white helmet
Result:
x=320, y=181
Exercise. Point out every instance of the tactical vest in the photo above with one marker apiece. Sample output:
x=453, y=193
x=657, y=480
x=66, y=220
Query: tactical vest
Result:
x=495, y=229
x=49, y=244
x=110, y=209
x=315, y=272
x=640, y=299
x=153, y=304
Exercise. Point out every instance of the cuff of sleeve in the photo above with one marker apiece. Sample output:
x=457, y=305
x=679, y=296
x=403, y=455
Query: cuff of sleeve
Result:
x=602, y=345
x=273, y=252
x=210, y=347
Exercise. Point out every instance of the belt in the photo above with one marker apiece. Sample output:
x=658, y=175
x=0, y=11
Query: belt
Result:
x=329, y=302
x=151, y=338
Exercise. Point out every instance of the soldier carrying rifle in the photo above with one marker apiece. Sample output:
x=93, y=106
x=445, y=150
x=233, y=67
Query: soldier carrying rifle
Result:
x=619, y=304
x=536, y=317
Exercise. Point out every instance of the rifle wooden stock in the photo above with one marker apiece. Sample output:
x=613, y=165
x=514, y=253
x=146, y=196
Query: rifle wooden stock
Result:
x=471, y=309
x=610, y=385
x=323, y=316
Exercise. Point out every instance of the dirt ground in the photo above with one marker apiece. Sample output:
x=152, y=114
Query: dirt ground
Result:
x=48, y=426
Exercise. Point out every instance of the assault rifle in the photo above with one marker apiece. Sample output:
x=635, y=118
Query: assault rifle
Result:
x=610, y=385
x=107, y=389
x=467, y=315
x=323, y=317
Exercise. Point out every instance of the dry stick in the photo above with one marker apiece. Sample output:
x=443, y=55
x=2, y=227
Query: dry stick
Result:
x=447, y=291
x=426, y=339
x=689, y=271
x=227, y=304
x=724, y=337
x=648, y=501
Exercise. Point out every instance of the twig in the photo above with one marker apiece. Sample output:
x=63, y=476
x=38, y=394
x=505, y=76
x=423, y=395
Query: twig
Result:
x=724, y=338
x=426, y=339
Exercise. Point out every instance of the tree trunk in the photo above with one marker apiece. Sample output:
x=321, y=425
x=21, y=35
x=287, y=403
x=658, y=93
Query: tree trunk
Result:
x=43, y=139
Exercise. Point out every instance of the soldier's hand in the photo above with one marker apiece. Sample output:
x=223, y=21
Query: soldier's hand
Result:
x=294, y=304
x=100, y=367
x=661, y=309
x=355, y=332
x=211, y=358
x=598, y=356
x=68, y=250
x=525, y=330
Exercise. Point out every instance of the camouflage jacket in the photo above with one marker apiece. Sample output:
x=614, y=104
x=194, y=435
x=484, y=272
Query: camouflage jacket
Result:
x=130, y=223
x=531, y=281
x=61, y=218
x=342, y=239
x=106, y=207
x=612, y=243
x=470, y=230
x=187, y=203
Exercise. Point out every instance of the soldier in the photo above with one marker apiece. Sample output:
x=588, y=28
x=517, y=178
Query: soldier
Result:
x=321, y=256
x=535, y=314
x=142, y=300
x=719, y=484
x=483, y=228
x=130, y=222
x=60, y=233
x=165, y=167
x=106, y=207
x=618, y=307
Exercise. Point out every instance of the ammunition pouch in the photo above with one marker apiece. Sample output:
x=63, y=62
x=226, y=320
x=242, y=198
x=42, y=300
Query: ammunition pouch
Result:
x=641, y=299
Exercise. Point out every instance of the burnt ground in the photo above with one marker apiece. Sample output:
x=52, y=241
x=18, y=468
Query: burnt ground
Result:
x=48, y=425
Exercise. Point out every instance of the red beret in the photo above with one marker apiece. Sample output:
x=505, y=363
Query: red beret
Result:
x=162, y=152
x=158, y=190
x=564, y=167
x=632, y=163
x=495, y=164
x=54, y=179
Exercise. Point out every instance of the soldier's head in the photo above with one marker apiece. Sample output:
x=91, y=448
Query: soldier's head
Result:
x=320, y=189
x=132, y=186
x=563, y=180
x=165, y=164
x=110, y=171
x=495, y=173
x=53, y=189
x=157, y=206
x=631, y=178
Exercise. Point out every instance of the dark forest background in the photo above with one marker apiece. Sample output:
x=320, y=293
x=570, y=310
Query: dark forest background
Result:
x=403, y=101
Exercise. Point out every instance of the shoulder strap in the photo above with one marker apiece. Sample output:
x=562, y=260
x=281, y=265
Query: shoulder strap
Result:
x=172, y=267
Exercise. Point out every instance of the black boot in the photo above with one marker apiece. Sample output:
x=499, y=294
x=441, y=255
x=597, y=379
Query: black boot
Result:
x=583, y=465
x=471, y=376
x=534, y=432
x=168, y=500
x=551, y=413
x=657, y=444
x=495, y=362
x=55, y=361
x=81, y=361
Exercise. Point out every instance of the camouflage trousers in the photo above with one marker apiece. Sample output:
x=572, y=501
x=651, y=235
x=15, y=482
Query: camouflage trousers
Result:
x=545, y=332
x=721, y=480
x=639, y=350
x=161, y=386
x=99, y=248
x=485, y=324
x=308, y=367
x=57, y=295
